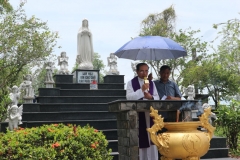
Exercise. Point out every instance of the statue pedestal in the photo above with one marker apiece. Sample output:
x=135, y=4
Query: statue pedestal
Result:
x=85, y=76
x=127, y=121
x=28, y=99
x=49, y=84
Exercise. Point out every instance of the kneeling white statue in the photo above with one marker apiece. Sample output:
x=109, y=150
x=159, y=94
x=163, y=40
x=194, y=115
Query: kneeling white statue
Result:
x=112, y=63
x=14, y=95
x=190, y=92
x=27, y=86
x=63, y=63
x=14, y=116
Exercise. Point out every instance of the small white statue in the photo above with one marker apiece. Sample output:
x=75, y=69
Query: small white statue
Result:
x=27, y=86
x=212, y=115
x=190, y=92
x=133, y=65
x=14, y=95
x=85, y=54
x=14, y=115
x=49, y=68
x=63, y=63
x=112, y=63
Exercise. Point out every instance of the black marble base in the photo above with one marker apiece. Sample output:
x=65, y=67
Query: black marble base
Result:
x=114, y=79
x=61, y=78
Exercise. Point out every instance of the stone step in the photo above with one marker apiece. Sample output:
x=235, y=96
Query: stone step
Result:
x=216, y=153
x=218, y=142
x=55, y=107
x=113, y=144
x=67, y=115
x=78, y=99
x=80, y=92
x=87, y=86
x=85, y=92
x=115, y=155
x=111, y=134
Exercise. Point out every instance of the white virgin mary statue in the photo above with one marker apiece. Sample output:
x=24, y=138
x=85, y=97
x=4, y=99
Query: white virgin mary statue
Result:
x=85, y=54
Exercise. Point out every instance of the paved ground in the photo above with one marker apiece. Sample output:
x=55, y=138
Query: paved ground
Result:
x=221, y=159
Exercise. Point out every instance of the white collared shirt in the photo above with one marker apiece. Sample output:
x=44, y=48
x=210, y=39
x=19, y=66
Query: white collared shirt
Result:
x=131, y=95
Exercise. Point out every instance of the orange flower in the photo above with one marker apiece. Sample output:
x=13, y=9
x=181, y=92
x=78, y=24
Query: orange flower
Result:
x=93, y=145
x=74, y=129
x=50, y=130
x=95, y=130
x=55, y=145
x=55, y=125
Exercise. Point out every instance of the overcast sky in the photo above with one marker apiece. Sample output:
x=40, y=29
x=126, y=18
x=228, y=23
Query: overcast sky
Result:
x=114, y=22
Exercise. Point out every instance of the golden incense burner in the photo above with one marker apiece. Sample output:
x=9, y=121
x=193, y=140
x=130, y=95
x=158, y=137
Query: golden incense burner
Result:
x=182, y=140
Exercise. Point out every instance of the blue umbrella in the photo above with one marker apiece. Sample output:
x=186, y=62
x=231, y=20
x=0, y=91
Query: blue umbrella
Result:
x=151, y=48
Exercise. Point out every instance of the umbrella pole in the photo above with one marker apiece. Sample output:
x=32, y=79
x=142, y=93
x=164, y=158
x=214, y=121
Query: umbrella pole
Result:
x=151, y=60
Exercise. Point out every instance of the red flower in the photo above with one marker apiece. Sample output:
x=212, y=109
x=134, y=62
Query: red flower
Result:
x=95, y=130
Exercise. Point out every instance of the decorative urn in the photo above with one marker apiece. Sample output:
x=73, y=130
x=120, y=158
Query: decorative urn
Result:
x=182, y=139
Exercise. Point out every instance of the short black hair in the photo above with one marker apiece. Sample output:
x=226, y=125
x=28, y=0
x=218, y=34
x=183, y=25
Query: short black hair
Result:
x=164, y=67
x=139, y=65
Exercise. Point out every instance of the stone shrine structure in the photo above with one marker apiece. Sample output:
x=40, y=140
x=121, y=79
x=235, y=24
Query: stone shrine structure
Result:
x=85, y=54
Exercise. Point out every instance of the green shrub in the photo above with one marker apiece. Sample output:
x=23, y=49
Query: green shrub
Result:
x=56, y=141
x=229, y=124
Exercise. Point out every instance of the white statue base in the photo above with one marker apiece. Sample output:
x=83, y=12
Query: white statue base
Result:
x=113, y=72
x=86, y=66
x=49, y=84
x=28, y=99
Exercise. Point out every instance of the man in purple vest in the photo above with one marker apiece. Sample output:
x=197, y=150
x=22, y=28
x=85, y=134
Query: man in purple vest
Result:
x=138, y=90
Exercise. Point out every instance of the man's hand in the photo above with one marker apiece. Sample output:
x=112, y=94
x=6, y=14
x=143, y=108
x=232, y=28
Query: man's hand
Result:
x=173, y=98
x=145, y=86
x=148, y=95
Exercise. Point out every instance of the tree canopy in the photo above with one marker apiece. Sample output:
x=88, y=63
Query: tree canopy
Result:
x=25, y=43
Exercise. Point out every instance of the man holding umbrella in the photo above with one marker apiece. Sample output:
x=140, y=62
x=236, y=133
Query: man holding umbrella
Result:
x=138, y=89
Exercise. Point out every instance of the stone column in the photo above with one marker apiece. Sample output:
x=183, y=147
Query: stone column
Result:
x=127, y=124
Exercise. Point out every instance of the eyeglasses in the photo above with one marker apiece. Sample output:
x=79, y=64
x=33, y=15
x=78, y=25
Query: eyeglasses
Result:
x=146, y=71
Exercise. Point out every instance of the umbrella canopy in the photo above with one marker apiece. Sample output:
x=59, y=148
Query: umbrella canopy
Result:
x=151, y=48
